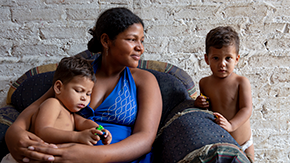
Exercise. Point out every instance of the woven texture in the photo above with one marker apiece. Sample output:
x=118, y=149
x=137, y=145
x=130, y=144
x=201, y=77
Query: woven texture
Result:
x=8, y=115
x=28, y=74
x=31, y=89
x=172, y=70
x=191, y=130
x=173, y=93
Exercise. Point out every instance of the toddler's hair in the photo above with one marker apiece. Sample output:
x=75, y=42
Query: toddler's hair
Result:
x=69, y=67
x=222, y=36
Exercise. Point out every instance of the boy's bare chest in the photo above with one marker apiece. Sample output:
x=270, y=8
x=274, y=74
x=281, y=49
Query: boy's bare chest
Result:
x=223, y=98
x=65, y=121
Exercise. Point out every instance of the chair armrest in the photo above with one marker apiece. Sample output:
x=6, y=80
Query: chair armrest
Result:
x=8, y=115
x=189, y=134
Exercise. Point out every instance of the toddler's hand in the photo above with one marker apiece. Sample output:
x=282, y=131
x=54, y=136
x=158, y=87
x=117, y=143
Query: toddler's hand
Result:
x=107, y=137
x=223, y=122
x=201, y=102
x=88, y=136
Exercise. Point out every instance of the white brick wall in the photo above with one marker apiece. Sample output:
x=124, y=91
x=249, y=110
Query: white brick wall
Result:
x=36, y=32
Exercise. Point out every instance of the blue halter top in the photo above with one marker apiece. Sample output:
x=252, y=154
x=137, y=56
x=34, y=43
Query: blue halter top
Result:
x=118, y=111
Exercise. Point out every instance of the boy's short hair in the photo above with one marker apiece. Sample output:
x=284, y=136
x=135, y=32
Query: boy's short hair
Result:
x=69, y=67
x=222, y=36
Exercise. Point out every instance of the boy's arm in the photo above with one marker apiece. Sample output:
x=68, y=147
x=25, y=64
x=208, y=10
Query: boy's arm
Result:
x=45, y=124
x=201, y=101
x=82, y=123
x=245, y=104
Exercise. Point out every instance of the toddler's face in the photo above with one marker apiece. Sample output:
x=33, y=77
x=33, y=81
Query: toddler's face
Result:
x=222, y=61
x=76, y=94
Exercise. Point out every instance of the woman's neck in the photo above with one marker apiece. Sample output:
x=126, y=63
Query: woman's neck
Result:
x=109, y=69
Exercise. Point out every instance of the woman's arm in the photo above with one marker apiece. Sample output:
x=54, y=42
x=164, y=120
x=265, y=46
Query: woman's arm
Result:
x=131, y=148
x=18, y=139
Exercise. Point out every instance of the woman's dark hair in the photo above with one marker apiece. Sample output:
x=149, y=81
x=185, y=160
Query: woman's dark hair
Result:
x=112, y=22
x=69, y=67
x=222, y=36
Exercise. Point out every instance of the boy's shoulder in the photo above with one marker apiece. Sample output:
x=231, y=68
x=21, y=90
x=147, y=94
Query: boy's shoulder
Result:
x=234, y=78
x=51, y=99
x=51, y=102
x=241, y=79
x=205, y=78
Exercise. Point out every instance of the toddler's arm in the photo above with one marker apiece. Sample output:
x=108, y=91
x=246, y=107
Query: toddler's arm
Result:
x=50, y=127
x=223, y=122
x=201, y=102
x=245, y=106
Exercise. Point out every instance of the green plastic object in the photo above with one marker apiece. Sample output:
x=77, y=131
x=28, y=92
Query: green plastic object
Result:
x=100, y=127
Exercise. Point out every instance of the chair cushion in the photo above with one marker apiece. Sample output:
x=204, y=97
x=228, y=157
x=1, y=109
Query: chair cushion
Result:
x=27, y=75
x=31, y=89
x=172, y=90
x=8, y=115
x=188, y=132
x=175, y=71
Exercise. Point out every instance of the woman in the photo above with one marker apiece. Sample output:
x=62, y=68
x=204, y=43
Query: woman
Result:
x=118, y=34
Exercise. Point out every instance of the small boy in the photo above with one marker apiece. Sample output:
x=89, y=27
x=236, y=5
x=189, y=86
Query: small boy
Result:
x=56, y=119
x=227, y=94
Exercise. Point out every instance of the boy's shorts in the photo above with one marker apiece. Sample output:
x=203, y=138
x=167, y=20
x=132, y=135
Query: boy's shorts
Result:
x=8, y=159
x=247, y=144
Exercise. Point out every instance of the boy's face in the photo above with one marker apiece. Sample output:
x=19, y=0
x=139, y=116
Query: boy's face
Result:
x=222, y=61
x=76, y=94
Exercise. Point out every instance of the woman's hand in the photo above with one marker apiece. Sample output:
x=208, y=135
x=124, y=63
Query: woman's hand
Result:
x=73, y=152
x=23, y=148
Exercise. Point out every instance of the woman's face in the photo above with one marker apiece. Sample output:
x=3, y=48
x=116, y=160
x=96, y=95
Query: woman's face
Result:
x=127, y=48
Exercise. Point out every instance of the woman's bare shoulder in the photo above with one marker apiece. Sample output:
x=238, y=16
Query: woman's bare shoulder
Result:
x=142, y=76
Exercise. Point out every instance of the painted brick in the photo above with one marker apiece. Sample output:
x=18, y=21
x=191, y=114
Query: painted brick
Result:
x=152, y=12
x=68, y=1
x=5, y=47
x=186, y=45
x=5, y=14
x=36, y=50
x=117, y=2
x=47, y=14
x=269, y=61
x=83, y=14
x=194, y=12
x=22, y=3
x=255, y=12
x=60, y=32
